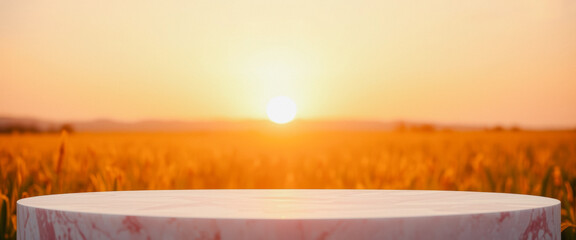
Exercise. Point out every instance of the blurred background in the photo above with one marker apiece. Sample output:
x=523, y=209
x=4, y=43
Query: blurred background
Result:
x=443, y=95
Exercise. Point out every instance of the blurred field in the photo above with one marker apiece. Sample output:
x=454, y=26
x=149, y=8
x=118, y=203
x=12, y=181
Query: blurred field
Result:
x=538, y=163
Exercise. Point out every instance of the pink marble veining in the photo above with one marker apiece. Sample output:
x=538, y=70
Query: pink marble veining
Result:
x=288, y=214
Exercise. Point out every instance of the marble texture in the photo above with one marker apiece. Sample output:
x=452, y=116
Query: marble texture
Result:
x=288, y=214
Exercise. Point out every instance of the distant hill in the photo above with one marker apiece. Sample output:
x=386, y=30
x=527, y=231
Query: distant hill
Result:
x=6, y=121
x=255, y=125
x=167, y=126
x=104, y=125
x=240, y=125
x=10, y=124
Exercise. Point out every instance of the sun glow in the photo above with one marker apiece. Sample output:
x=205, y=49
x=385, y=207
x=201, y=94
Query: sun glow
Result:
x=281, y=109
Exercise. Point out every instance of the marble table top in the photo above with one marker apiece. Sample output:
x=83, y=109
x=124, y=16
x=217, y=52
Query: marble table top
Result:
x=223, y=207
x=288, y=204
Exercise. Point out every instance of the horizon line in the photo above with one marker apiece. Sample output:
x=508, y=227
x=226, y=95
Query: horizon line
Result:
x=297, y=120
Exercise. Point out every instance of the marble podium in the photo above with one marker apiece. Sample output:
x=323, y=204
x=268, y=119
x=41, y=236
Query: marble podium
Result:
x=288, y=214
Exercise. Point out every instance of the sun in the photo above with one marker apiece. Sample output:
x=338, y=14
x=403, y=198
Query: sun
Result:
x=281, y=109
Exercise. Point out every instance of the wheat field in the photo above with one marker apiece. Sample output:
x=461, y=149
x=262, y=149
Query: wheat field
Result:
x=537, y=163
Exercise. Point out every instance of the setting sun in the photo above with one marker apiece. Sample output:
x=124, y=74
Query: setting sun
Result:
x=281, y=109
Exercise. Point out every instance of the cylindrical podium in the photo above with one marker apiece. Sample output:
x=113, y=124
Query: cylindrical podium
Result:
x=288, y=214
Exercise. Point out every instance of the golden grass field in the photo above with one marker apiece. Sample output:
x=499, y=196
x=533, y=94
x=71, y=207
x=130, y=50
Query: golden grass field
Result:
x=538, y=163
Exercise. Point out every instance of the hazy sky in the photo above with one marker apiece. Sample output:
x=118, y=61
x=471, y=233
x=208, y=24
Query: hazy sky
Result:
x=484, y=61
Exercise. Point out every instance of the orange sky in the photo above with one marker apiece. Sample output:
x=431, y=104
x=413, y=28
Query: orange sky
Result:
x=487, y=62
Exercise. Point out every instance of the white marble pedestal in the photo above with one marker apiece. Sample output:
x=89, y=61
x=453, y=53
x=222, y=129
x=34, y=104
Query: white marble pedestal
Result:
x=288, y=214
